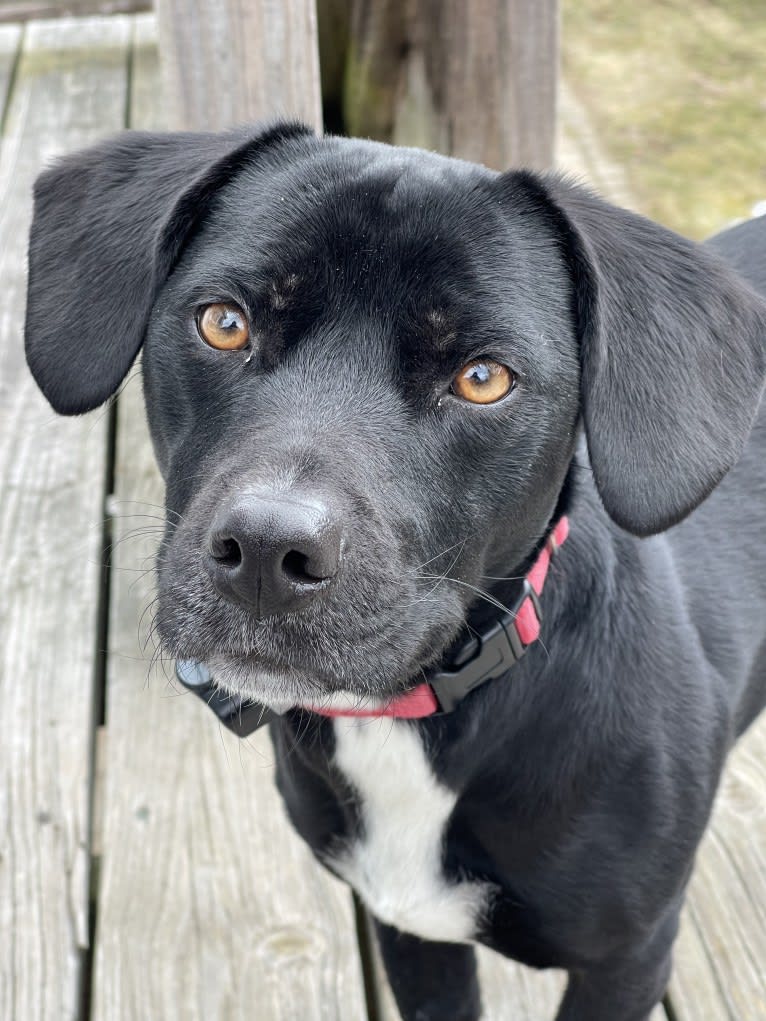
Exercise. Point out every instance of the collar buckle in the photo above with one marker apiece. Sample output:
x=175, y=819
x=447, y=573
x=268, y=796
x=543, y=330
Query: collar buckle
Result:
x=498, y=650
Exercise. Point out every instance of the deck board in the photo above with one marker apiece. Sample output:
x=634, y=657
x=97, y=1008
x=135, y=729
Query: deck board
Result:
x=69, y=87
x=10, y=42
x=721, y=953
x=210, y=907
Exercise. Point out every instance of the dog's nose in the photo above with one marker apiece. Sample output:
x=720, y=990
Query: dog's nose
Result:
x=274, y=552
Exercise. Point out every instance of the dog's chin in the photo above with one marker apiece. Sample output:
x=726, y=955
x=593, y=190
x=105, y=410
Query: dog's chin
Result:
x=281, y=688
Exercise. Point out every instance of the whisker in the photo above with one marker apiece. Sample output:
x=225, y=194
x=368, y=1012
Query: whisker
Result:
x=486, y=596
x=443, y=552
x=118, y=502
x=441, y=578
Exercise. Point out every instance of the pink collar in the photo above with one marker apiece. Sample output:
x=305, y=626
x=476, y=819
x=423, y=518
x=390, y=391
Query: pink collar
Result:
x=493, y=653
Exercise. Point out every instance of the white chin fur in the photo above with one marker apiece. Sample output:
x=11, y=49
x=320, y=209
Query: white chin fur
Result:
x=281, y=691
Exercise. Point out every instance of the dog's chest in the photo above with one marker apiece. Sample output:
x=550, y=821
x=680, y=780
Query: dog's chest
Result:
x=395, y=863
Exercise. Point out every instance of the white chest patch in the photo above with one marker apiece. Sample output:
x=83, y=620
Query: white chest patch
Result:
x=396, y=865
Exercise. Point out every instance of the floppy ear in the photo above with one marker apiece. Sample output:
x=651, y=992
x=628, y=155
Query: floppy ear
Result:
x=673, y=356
x=109, y=223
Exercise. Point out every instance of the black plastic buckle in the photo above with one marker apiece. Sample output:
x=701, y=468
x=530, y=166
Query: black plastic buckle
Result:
x=241, y=717
x=497, y=651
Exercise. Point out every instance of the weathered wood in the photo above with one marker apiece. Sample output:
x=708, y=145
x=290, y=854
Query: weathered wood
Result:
x=228, y=62
x=721, y=954
x=69, y=88
x=10, y=40
x=26, y=10
x=511, y=990
x=475, y=80
x=210, y=906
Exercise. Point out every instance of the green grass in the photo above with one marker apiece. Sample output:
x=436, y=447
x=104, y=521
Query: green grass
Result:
x=677, y=92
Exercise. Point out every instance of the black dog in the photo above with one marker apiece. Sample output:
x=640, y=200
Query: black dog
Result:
x=371, y=374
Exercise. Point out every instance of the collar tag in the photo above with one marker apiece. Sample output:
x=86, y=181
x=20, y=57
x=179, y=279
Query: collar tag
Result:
x=239, y=716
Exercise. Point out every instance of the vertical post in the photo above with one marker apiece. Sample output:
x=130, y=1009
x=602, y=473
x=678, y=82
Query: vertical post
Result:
x=228, y=62
x=473, y=79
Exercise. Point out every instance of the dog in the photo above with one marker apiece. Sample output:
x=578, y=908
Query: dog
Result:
x=404, y=405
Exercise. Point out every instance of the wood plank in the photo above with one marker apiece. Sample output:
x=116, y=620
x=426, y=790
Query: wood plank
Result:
x=28, y=10
x=70, y=87
x=228, y=62
x=721, y=955
x=10, y=40
x=473, y=80
x=210, y=906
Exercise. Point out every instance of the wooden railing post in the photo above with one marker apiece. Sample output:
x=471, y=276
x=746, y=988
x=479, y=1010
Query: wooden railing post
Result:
x=227, y=62
x=472, y=78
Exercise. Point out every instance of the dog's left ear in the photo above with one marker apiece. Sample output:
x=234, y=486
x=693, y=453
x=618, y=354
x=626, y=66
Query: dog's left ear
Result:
x=673, y=355
x=109, y=224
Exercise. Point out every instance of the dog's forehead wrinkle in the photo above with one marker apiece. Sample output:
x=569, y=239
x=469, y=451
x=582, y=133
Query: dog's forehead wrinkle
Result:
x=353, y=192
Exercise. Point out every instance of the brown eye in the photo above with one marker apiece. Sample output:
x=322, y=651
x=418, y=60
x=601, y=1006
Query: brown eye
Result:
x=483, y=381
x=223, y=326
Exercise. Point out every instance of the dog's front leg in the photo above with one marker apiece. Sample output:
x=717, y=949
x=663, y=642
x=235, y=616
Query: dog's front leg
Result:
x=624, y=991
x=431, y=981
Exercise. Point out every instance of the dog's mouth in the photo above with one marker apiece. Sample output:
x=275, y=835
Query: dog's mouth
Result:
x=267, y=680
x=281, y=686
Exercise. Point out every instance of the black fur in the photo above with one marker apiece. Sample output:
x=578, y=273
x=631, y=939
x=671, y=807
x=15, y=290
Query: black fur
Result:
x=370, y=275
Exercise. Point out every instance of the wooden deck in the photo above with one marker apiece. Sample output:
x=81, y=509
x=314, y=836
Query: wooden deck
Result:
x=147, y=872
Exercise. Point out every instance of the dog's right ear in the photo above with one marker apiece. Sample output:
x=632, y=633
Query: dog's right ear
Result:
x=672, y=354
x=109, y=224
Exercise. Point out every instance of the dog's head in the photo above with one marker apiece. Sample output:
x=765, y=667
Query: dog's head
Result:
x=365, y=369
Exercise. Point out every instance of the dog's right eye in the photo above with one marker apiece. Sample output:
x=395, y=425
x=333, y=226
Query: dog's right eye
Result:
x=483, y=381
x=223, y=326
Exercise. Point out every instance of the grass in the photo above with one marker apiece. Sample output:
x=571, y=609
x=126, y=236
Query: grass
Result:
x=677, y=92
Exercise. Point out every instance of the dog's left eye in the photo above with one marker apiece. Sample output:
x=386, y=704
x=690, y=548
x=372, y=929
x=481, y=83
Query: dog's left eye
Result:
x=223, y=326
x=483, y=381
